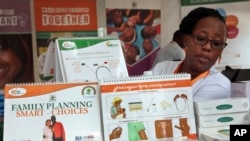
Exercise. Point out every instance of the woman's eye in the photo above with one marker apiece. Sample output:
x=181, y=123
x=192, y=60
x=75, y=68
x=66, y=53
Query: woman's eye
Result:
x=201, y=39
x=217, y=43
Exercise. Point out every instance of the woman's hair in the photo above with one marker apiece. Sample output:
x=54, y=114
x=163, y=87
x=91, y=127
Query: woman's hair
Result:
x=47, y=121
x=178, y=37
x=188, y=22
x=21, y=45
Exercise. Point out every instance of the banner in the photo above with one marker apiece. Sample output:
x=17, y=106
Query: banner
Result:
x=53, y=18
x=15, y=16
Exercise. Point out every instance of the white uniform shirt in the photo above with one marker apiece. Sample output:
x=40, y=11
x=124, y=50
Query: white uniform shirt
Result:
x=170, y=52
x=214, y=86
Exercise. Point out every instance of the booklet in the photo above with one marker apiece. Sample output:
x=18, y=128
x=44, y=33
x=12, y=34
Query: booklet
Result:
x=43, y=111
x=148, y=108
x=90, y=58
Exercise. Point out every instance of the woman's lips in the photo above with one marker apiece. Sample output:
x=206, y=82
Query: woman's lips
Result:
x=203, y=59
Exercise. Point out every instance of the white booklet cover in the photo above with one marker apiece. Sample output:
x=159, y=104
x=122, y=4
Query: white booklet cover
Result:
x=90, y=58
x=43, y=111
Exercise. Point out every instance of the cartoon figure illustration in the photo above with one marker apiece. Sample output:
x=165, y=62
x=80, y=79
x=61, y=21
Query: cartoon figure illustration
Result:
x=120, y=113
x=116, y=111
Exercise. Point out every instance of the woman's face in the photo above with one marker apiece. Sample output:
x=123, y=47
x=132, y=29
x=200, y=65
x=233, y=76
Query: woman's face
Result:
x=10, y=65
x=48, y=123
x=200, y=58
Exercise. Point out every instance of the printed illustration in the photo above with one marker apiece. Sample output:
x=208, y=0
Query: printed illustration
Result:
x=139, y=32
x=156, y=108
x=152, y=107
x=100, y=72
x=116, y=111
x=135, y=106
x=165, y=104
x=184, y=127
x=115, y=134
x=181, y=102
x=136, y=131
x=163, y=128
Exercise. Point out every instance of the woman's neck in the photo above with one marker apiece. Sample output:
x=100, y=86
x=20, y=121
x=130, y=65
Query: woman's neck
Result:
x=185, y=69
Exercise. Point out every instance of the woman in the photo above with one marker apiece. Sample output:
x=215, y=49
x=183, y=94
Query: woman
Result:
x=16, y=60
x=205, y=35
x=47, y=131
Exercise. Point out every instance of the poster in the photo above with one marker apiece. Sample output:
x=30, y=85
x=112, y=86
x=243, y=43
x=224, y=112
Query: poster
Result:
x=15, y=42
x=237, y=20
x=15, y=45
x=61, y=19
x=139, y=30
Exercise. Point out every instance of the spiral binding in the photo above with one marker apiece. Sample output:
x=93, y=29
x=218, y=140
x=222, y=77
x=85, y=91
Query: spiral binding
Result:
x=139, y=78
x=87, y=37
x=43, y=83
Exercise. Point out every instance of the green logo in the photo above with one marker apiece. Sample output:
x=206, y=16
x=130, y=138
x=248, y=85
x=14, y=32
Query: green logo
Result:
x=109, y=44
x=225, y=119
x=224, y=107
